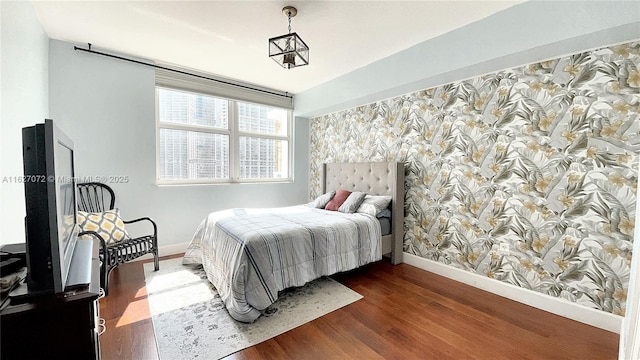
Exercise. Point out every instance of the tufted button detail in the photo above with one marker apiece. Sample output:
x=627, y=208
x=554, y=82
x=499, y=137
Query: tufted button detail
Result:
x=374, y=178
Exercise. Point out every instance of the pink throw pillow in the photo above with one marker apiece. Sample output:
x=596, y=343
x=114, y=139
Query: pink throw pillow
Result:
x=338, y=199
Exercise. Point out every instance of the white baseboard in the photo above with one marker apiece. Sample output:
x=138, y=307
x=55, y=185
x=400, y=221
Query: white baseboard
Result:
x=558, y=306
x=166, y=251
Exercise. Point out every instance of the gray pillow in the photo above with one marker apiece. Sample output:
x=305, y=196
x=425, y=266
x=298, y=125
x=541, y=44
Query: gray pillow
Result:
x=374, y=204
x=386, y=213
x=321, y=201
x=352, y=203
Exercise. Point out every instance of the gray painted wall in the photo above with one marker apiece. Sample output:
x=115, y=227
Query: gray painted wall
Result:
x=524, y=33
x=107, y=107
x=24, y=101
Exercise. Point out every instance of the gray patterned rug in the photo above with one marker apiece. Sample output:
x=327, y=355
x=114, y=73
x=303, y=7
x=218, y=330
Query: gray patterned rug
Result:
x=191, y=322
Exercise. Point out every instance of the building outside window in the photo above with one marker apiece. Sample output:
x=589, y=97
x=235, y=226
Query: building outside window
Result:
x=208, y=139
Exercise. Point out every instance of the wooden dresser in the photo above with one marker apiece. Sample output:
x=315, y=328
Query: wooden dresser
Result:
x=54, y=326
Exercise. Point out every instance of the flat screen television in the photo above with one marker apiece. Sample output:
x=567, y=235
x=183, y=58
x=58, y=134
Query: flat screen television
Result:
x=51, y=229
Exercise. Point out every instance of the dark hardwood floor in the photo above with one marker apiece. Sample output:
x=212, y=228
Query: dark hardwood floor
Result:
x=406, y=313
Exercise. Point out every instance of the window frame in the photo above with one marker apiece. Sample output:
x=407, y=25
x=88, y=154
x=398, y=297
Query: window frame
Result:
x=234, y=134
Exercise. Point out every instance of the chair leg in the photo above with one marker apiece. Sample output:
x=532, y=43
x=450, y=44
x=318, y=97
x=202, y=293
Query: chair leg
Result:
x=106, y=285
x=156, y=260
x=103, y=279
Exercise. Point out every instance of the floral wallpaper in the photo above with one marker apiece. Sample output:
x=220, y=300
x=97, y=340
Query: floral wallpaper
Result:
x=541, y=160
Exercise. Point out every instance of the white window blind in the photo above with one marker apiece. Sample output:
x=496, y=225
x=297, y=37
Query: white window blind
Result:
x=269, y=97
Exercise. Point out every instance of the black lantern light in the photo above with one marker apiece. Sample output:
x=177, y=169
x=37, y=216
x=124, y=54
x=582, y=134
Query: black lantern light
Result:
x=289, y=50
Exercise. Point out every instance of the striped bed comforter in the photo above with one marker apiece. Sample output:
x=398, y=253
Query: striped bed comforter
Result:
x=251, y=254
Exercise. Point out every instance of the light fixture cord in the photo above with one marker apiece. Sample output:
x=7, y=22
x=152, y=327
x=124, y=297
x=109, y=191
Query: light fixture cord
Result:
x=289, y=17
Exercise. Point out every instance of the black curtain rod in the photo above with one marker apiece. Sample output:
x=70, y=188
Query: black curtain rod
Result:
x=179, y=71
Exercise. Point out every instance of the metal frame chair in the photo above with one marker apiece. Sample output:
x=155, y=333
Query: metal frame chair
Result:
x=94, y=197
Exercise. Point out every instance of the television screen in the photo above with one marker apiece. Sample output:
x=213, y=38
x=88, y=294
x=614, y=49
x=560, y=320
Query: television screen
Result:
x=65, y=202
x=50, y=197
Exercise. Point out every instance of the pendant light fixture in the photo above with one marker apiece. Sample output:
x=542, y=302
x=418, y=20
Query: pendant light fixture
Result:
x=289, y=50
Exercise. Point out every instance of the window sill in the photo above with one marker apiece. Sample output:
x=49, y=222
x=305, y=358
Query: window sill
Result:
x=165, y=183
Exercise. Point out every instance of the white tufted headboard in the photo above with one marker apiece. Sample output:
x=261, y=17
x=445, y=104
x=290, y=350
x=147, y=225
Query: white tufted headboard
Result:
x=375, y=178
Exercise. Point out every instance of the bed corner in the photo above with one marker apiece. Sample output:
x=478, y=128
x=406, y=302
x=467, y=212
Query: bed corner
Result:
x=375, y=178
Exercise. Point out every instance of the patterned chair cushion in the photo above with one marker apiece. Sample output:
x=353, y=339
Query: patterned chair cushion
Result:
x=107, y=224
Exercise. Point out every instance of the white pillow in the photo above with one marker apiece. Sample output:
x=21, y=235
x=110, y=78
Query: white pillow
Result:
x=373, y=204
x=321, y=201
x=352, y=203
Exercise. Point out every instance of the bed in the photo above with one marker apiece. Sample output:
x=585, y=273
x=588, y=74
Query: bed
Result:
x=249, y=255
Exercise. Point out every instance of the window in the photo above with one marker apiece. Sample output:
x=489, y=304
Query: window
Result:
x=208, y=139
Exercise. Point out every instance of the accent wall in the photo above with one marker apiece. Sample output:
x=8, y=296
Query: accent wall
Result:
x=526, y=175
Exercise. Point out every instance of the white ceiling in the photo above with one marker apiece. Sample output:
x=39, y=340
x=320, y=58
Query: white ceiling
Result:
x=229, y=38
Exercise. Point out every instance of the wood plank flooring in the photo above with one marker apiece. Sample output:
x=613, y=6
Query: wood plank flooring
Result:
x=406, y=313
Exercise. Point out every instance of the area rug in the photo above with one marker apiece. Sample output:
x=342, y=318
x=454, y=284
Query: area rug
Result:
x=191, y=322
